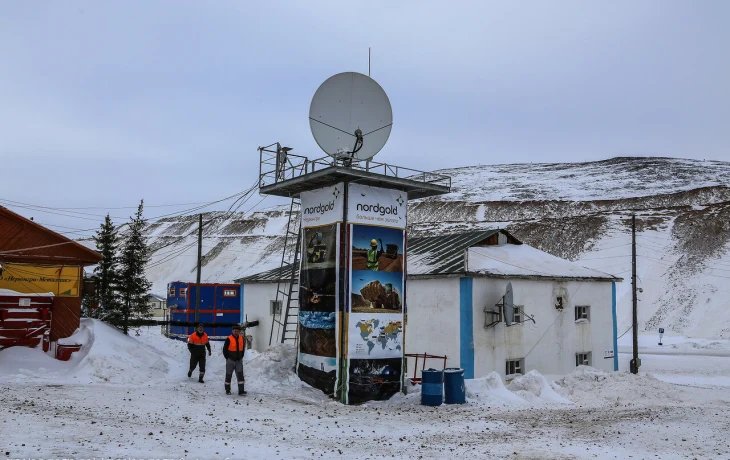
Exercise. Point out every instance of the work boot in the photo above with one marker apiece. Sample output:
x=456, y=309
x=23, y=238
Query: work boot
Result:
x=241, y=391
x=200, y=379
x=228, y=388
x=190, y=373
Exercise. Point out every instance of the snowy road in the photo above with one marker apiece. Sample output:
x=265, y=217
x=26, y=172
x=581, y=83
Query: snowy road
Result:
x=76, y=414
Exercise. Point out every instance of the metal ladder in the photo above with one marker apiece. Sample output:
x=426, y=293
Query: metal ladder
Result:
x=287, y=291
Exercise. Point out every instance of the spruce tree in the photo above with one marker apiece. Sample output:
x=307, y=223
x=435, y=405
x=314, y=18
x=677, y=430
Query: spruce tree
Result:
x=134, y=286
x=107, y=274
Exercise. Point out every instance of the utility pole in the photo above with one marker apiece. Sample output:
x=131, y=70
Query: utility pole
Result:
x=200, y=257
x=635, y=362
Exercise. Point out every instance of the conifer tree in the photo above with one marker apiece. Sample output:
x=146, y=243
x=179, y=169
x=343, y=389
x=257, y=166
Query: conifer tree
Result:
x=134, y=286
x=107, y=274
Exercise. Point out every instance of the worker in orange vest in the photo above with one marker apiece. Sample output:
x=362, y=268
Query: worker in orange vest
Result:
x=233, y=350
x=197, y=343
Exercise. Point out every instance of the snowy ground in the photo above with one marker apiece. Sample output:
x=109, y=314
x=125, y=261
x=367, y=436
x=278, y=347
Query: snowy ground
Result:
x=125, y=397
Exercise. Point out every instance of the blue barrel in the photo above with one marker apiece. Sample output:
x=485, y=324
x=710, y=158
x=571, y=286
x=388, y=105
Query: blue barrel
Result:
x=454, y=387
x=432, y=387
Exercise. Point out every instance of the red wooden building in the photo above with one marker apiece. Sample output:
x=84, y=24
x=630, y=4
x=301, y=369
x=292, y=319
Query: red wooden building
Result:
x=41, y=281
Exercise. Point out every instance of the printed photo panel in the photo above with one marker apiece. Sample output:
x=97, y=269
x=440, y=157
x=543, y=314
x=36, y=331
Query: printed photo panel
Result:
x=373, y=379
x=376, y=292
x=320, y=247
x=377, y=248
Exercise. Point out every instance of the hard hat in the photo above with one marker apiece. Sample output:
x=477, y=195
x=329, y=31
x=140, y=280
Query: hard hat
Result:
x=373, y=242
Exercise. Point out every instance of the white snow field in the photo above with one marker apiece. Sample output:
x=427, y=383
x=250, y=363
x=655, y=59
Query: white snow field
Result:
x=129, y=397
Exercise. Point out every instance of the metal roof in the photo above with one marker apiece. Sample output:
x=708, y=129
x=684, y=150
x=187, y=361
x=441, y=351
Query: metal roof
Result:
x=430, y=255
x=444, y=255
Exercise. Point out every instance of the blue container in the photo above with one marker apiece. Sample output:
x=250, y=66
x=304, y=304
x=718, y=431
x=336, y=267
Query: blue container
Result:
x=432, y=387
x=454, y=387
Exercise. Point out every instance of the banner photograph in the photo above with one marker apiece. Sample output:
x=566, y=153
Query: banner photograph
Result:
x=376, y=291
x=375, y=336
x=377, y=248
x=320, y=247
x=374, y=379
x=376, y=206
x=321, y=213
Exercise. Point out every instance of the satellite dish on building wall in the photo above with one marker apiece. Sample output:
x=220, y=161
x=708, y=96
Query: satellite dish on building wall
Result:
x=509, y=306
x=350, y=117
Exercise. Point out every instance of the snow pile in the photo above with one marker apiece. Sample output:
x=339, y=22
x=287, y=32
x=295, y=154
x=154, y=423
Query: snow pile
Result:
x=11, y=293
x=491, y=391
x=536, y=389
x=109, y=355
x=106, y=355
x=511, y=259
x=272, y=372
x=591, y=387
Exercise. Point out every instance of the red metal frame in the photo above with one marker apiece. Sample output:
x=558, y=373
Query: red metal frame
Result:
x=425, y=356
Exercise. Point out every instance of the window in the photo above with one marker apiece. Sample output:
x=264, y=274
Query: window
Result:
x=518, y=314
x=172, y=292
x=583, y=359
x=183, y=292
x=582, y=313
x=559, y=302
x=275, y=306
x=514, y=367
x=229, y=293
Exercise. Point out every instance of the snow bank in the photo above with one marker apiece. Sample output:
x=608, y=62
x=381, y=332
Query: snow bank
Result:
x=591, y=387
x=106, y=355
x=272, y=372
x=491, y=391
x=536, y=389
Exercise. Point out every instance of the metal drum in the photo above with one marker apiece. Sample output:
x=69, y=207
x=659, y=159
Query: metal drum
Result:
x=432, y=387
x=454, y=387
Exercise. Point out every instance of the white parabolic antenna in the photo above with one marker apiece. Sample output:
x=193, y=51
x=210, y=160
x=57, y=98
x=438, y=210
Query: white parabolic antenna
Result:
x=350, y=116
x=509, y=305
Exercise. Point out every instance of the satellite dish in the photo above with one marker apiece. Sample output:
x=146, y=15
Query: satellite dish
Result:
x=350, y=117
x=509, y=306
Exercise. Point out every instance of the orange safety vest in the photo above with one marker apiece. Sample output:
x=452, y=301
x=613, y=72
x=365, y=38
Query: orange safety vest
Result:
x=195, y=340
x=235, y=345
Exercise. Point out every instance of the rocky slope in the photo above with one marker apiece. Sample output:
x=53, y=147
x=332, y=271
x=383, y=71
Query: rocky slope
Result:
x=579, y=211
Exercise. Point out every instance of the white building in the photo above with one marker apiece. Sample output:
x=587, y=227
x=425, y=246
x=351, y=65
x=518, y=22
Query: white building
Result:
x=453, y=279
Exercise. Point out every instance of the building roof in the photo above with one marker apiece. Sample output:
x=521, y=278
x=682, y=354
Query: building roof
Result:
x=155, y=298
x=471, y=253
x=24, y=241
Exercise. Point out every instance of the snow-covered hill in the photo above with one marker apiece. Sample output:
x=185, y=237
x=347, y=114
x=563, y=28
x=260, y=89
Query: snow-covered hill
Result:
x=579, y=211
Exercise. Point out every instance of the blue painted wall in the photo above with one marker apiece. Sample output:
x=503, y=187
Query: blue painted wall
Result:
x=466, y=327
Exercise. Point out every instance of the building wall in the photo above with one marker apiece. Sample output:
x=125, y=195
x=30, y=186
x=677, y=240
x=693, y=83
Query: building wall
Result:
x=433, y=322
x=446, y=317
x=256, y=307
x=550, y=344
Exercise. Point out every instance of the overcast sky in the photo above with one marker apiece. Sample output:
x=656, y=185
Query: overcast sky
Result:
x=105, y=103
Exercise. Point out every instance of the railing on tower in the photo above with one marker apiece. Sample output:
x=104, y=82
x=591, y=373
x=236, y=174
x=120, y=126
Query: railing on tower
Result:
x=278, y=164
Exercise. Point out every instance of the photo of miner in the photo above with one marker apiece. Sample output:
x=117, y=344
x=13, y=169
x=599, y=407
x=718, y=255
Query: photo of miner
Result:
x=377, y=248
x=320, y=247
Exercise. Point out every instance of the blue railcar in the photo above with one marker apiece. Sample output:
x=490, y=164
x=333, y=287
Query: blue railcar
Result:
x=219, y=303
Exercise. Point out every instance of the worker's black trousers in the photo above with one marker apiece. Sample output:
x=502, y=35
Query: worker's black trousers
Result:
x=237, y=366
x=197, y=359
